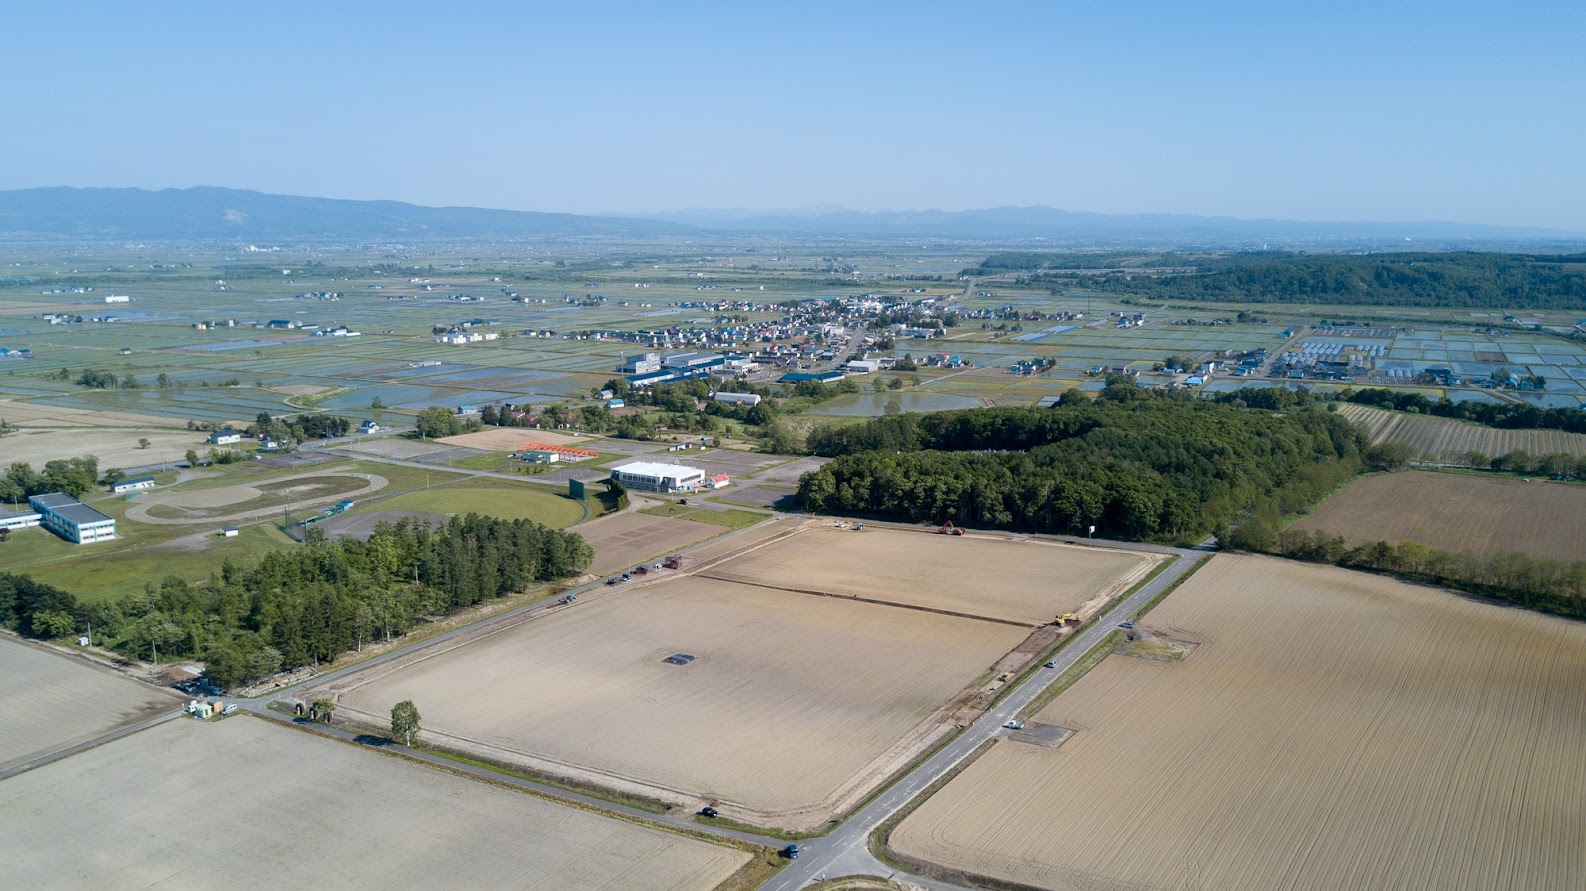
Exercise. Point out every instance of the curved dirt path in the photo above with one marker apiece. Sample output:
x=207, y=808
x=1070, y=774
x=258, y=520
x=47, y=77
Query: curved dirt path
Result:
x=139, y=511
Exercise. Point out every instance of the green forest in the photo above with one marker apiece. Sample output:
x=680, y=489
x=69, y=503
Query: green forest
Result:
x=1462, y=279
x=308, y=605
x=1137, y=464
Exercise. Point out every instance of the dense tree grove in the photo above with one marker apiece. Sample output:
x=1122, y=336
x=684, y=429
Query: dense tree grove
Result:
x=1553, y=586
x=308, y=605
x=74, y=476
x=1485, y=279
x=1511, y=415
x=1155, y=465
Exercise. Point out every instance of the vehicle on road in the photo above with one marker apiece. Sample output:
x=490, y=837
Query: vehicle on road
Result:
x=791, y=852
x=1052, y=664
x=1125, y=624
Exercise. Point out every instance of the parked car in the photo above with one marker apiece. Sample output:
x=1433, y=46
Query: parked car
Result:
x=708, y=812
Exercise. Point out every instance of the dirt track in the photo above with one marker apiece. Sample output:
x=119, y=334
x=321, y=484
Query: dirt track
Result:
x=240, y=495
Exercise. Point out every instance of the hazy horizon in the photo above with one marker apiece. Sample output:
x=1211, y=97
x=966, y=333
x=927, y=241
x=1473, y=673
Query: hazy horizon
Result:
x=1349, y=113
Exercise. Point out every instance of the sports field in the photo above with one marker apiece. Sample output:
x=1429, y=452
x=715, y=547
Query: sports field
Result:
x=1448, y=441
x=49, y=702
x=1333, y=729
x=1458, y=512
x=789, y=704
x=243, y=804
x=982, y=574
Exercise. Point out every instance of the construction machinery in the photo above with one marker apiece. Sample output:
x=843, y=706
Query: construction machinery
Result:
x=948, y=528
x=1068, y=619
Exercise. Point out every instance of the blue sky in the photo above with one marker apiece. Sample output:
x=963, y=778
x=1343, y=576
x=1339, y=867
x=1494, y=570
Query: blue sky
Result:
x=1337, y=111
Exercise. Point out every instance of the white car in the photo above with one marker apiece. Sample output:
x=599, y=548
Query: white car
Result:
x=1014, y=725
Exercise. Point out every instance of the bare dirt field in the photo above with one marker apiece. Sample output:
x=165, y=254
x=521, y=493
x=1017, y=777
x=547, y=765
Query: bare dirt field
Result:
x=395, y=447
x=981, y=574
x=1447, y=441
x=509, y=439
x=240, y=502
x=792, y=705
x=1458, y=512
x=49, y=702
x=622, y=540
x=113, y=446
x=244, y=804
x=1333, y=729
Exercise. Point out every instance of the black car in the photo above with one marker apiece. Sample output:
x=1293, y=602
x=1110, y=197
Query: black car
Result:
x=708, y=812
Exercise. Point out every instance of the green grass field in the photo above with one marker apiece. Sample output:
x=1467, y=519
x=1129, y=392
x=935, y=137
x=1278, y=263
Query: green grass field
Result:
x=107, y=571
x=495, y=497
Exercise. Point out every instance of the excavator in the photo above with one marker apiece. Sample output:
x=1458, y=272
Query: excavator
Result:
x=1067, y=619
x=948, y=528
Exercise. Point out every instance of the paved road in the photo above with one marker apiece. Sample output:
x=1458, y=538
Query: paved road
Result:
x=846, y=851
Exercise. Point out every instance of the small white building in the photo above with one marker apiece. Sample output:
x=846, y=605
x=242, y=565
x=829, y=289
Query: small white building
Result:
x=738, y=398
x=539, y=456
x=651, y=476
x=225, y=437
x=863, y=366
x=369, y=427
x=133, y=485
x=117, y=298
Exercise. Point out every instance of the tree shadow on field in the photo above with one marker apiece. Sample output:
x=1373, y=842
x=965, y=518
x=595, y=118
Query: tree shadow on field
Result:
x=366, y=739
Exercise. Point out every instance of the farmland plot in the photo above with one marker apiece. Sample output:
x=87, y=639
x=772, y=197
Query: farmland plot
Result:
x=49, y=702
x=621, y=540
x=1333, y=729
x=1459, y=513
x=1447, y=441
x=789, y=702
x=995, y=576
x=185, y=804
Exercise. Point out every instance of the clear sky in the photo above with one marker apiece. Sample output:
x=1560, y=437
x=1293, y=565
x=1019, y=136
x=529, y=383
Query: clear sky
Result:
x=1470, y=112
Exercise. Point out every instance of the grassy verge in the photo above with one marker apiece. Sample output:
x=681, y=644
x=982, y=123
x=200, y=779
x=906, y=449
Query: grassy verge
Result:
x=1090, y=660
x=883, y=833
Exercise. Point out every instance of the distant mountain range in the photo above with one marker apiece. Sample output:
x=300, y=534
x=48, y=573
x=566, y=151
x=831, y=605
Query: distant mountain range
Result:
x=1038, y=222
x=208, y=213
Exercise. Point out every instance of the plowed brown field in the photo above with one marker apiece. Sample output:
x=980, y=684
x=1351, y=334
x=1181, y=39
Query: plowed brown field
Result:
x=788, y=699
x=1334, y=730
x=980, y=574
x=179, y=805
x=1458, y=512
x=1447, y=441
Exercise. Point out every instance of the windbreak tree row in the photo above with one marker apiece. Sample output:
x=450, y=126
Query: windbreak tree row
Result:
x=308, y=605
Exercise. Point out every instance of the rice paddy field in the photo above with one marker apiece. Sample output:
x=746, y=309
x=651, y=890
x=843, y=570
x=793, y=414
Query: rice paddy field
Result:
x=1448, y=441
x=1331, y=729
x=1458, y=512
x=185, y=804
